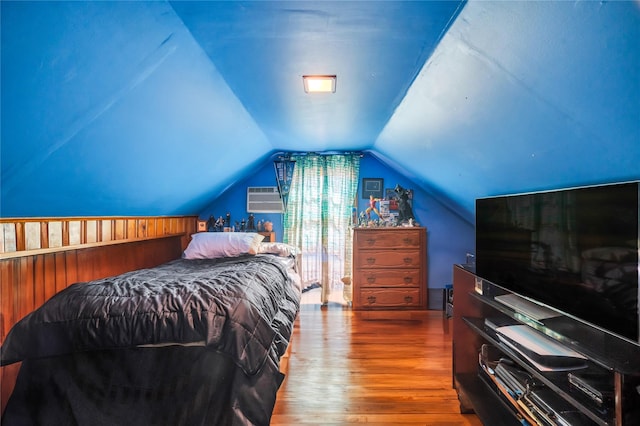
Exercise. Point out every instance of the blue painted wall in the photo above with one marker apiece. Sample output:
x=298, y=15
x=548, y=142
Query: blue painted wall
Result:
x=234, y=199
x=450, y=237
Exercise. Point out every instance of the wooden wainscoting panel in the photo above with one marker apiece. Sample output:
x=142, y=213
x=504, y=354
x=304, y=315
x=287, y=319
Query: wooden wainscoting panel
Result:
x=90, y=231
x=48, y=275
x=151, y=228
x=132, y=229
x=38, y=266
x=71, y=266
x=25, y=293
x=28, y=280
x=34, y=235
x=6, y=301
x=41, y=256
x=60, y=260
x=27, y=234
x=20, y=238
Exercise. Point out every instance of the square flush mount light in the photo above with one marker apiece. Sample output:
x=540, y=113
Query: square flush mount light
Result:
x=319, y=83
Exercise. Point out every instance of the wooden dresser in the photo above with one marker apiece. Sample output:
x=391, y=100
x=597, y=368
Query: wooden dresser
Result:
x=390, y=268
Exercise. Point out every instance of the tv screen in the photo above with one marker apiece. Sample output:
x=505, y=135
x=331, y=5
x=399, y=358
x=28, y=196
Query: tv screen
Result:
x=573, y=249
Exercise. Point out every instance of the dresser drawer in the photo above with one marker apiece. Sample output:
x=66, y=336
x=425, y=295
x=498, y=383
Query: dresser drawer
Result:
x=390, y=268
x=388, y=239
x=388, y=258
x=389, y=277
x=371, y=298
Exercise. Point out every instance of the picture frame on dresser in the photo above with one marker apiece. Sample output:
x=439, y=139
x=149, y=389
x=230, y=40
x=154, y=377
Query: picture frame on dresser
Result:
x=372, y=187
x=391, y=195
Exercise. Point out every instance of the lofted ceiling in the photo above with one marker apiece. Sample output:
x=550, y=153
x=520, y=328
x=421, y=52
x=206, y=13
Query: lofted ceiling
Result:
x=262, y=49
x=127, y=108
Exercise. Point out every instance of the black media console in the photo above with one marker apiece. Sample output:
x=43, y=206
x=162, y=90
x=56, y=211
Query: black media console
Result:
x=517, y=361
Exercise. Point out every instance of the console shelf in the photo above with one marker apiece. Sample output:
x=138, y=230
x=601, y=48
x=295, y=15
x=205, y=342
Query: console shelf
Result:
x=602, y=348
x=484, y=401
x=615, y=360
x=553, y=380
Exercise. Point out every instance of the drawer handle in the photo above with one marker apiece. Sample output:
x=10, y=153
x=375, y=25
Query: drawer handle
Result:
x=408, y=241
x=408, y=260
x=371, y=279
x=408, y=280
x=371, y=260
x=371, y=241
x=371, y=299
x=408, y=299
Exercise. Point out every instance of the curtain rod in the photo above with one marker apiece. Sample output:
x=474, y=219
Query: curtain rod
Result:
x=288, y=155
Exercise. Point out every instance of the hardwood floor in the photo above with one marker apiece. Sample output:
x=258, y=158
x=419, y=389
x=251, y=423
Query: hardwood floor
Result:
x=391, y=368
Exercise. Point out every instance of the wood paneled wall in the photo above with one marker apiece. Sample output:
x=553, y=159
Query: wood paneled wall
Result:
x=53, y=234
x=29, y=276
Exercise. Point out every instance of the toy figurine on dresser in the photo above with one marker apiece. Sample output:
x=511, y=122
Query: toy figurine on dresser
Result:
x=405, y=213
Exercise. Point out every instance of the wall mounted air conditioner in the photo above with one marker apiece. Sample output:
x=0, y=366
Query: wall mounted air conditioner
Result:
x=264, y=199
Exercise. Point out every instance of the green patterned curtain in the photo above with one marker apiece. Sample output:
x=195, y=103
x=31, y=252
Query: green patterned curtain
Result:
x=318, y=217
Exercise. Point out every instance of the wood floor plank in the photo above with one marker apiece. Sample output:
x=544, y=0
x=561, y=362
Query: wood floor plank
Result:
x=376, y=368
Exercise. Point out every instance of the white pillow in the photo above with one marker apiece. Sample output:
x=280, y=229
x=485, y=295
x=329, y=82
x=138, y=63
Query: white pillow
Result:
x=281, y=249
x=211, y=245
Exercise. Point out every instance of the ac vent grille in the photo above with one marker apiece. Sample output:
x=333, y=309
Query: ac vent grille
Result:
x=264, y=199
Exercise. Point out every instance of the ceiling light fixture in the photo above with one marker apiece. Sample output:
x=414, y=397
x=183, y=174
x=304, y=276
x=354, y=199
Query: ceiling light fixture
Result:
x=319, y=83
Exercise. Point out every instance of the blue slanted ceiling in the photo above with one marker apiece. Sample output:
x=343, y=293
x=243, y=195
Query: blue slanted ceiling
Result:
x=264, y=48
x=156, y=107
x=111, y=108
x=523, y=96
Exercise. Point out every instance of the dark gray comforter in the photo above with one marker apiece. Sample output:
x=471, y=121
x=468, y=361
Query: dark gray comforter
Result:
x=241, y=309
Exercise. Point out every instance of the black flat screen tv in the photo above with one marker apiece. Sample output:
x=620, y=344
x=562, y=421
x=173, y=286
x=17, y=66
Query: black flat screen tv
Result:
x=573, y=249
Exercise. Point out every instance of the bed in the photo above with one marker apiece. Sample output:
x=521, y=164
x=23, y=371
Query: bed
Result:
x=194, y=341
